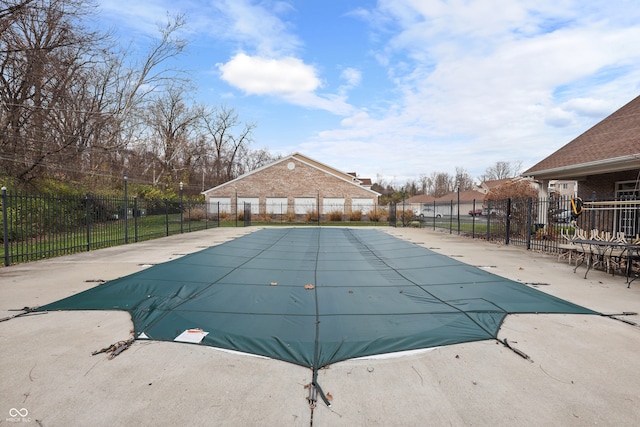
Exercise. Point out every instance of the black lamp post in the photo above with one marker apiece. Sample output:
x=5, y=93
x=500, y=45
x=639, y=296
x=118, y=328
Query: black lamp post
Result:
x=236, y=205
x=458, y=189
x=181, y=208
x=126, y=211
x=318, y=206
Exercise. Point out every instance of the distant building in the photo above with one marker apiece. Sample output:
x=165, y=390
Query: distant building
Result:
x=562, y=189
x=294, y=185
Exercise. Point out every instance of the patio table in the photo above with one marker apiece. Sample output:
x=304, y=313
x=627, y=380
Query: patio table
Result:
x=600, y=248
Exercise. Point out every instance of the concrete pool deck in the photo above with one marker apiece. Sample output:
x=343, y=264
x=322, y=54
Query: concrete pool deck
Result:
x=583, y=369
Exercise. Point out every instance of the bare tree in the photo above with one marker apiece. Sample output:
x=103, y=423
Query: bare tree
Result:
x=425, y=183
x=253, y=159
x=46, y=58
x=173, y=127
x=443, y=183
x=127, y=89
x=68, y=102
x=10, y=11
x=226, y=146
x=463, y=180
x=502, y=170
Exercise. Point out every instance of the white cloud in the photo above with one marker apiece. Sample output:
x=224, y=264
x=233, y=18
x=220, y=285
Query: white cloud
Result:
x=469, y=82
x=558, y=117
x=137, y=17
x=483, y=81
x=360, y=118
x=257, y=75
x=254, y=25
x=257, y=26
x=287, y=78
x=352, y=76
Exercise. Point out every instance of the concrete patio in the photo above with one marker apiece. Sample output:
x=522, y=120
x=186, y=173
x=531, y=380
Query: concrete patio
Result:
x=583, y=370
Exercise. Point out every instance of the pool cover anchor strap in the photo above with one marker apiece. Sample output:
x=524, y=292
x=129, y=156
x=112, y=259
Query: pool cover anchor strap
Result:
x=315, y=387
x=115, y=349
x=624, y=313
x=515, y=350
x=313, y=396
x=26, y=311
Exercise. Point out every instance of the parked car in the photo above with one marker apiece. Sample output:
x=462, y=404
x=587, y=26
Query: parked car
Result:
x=494, y=212
x=426, y=211
x=564, y=215
x=475, y=212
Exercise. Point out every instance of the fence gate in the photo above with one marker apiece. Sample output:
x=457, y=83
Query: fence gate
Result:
x=392, y=214
x=247, y=214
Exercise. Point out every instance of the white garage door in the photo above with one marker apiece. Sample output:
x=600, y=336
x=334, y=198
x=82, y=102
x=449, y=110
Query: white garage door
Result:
x=223, y=202
x=255, y=204
x=364, y=205
x=302, y=205
x=332, y=204
x=277, y=205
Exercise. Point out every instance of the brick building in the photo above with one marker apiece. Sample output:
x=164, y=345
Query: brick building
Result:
x=295, y=184
x=605, y=160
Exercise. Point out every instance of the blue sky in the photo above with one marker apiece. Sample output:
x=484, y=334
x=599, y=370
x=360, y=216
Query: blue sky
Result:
x=393, y=89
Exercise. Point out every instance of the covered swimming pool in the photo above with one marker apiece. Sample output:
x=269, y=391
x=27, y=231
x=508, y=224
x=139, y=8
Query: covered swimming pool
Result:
x=316, y=296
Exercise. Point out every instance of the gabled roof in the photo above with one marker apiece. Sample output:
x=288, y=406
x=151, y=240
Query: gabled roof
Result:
x=420, y=198
x=308, y=161
x=465, y=196
x=495, y=183
x=611, y=145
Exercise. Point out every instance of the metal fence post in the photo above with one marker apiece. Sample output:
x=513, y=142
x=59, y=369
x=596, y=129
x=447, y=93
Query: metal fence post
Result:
x=181, y=207
x=135, y=217
x=166, y=215
x=473, y=224
x=508, y=225
x=529, y=221
x=126, y=212
x=488, y=220
x=458, y=210
x=450, y=216
x=5, y=227
x=88, y=220
x=434, y=214
x=593, y=211
x=189, y=204
x=392, y=214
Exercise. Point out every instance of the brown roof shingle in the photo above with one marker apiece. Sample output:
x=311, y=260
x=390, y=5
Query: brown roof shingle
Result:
x=616, y=136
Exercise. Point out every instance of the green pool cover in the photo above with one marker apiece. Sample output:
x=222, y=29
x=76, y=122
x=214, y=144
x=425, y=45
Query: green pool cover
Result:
x=315, y=296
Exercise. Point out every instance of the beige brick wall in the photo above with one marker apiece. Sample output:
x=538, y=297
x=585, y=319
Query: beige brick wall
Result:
x=303, y=180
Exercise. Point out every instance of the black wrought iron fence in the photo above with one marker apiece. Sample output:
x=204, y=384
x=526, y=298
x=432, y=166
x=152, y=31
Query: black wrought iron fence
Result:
x=36, y=227
x=538, y=224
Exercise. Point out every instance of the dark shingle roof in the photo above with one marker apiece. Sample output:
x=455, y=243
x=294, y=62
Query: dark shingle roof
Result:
x=420, y=198
x=616, y=136
x=465, y=196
